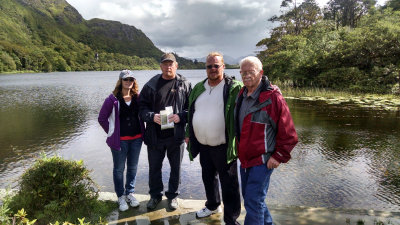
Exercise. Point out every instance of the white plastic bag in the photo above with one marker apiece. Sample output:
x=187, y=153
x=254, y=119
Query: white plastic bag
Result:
x=164, y=114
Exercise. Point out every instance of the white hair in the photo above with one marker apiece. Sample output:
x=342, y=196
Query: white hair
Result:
x=253, y=61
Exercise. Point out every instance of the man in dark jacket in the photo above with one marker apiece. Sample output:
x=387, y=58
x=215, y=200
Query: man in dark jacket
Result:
x=211, y=133
x=168, y=89
x=265, y=134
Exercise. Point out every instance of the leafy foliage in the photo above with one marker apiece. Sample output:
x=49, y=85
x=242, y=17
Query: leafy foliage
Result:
x=361, y=59
x=54, y=189
x=17, y=219
x=394, y=4
x=5, y=211
x=295, y=18
x=347, y=12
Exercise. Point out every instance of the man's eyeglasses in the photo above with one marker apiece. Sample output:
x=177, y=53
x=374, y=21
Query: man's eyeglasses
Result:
x=251, y=73
x=130, y=79
x=216, y=66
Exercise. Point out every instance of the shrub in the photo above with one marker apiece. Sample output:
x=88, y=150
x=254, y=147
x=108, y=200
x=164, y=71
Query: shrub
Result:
x=5, y=211
x=396, y=89
x=7, y=61
x=55, y=189
x=340, y=78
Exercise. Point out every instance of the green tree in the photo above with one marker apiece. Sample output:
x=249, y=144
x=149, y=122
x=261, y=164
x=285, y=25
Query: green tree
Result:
x=7, y=62
x=293, y=21
x=347, y=12
x=361, y=59
x=394, y=4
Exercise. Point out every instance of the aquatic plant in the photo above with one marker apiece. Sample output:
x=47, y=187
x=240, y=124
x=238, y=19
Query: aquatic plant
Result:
x=389, y=102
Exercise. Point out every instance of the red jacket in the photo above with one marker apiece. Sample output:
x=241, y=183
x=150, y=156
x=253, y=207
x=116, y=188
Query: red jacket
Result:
x=267, y=129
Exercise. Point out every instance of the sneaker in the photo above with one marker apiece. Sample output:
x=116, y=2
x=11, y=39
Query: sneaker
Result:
x=206, y=212
x=173, y=204
x=152, y=204
x=122, y=203
x=132, y=200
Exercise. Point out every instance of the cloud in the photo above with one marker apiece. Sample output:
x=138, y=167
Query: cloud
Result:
x=231, y=28
x=192, y=28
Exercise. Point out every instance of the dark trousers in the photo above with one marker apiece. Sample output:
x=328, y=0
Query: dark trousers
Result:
x=213, y=164
x=156, y=157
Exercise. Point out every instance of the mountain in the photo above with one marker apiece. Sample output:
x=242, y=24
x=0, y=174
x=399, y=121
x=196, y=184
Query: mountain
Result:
x=230, y=60
x=51, y=35
x=227, y=59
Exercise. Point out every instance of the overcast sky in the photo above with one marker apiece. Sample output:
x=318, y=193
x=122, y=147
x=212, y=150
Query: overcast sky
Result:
x=192, y=28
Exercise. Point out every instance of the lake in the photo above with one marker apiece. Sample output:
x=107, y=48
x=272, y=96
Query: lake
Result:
x=347, y=157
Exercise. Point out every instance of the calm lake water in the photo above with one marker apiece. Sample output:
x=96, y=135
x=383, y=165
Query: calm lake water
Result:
x=347, y=157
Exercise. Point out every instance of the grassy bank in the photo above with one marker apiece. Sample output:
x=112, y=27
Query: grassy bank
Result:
x=376, y=101
x=18, y=71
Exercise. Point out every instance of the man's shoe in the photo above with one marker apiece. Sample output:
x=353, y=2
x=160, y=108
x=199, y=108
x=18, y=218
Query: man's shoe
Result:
x=122, y=203
x=152, y=204
x=132, y=200
x=173, y=204
x=206, y=212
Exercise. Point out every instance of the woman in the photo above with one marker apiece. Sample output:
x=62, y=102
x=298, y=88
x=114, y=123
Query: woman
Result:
x=119, y=119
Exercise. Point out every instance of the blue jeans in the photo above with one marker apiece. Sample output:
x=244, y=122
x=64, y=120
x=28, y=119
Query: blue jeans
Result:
x=255, y=183
x=128, y=154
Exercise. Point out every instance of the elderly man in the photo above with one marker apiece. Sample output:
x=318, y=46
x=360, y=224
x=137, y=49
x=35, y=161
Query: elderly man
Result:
x=168, y=89
x=265, y=134
x=211, y=133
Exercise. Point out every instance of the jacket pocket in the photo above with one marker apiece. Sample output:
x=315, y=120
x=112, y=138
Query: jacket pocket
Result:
x=260, y=116
x=266, y=130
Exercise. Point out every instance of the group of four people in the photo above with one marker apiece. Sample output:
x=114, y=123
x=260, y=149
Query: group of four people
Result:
x=221, y=120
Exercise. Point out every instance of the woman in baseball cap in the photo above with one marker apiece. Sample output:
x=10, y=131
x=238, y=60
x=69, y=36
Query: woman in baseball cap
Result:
x=120, y=120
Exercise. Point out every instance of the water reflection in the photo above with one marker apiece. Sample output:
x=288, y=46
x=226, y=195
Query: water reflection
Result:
x=348, y=151
x=347, y=157
x=161, y=215
x=23, y=129
x=31, y=121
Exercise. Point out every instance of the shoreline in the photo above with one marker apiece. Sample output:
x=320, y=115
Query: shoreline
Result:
x=282, y=214
x=373, y=101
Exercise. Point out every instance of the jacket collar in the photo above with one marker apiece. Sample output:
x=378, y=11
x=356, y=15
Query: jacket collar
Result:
x=228, y=80
x=152, y=83
x=265, y=85
x=112, y=97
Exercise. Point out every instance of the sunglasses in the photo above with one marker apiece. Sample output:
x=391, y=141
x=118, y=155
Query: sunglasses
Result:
x=216, y=66
x=131, y=79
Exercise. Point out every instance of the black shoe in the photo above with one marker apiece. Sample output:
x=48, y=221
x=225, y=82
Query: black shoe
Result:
x=153, y=202
x=173, y=204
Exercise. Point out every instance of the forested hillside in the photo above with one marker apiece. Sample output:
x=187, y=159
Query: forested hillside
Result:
x=50, y=35
x=347, y=45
